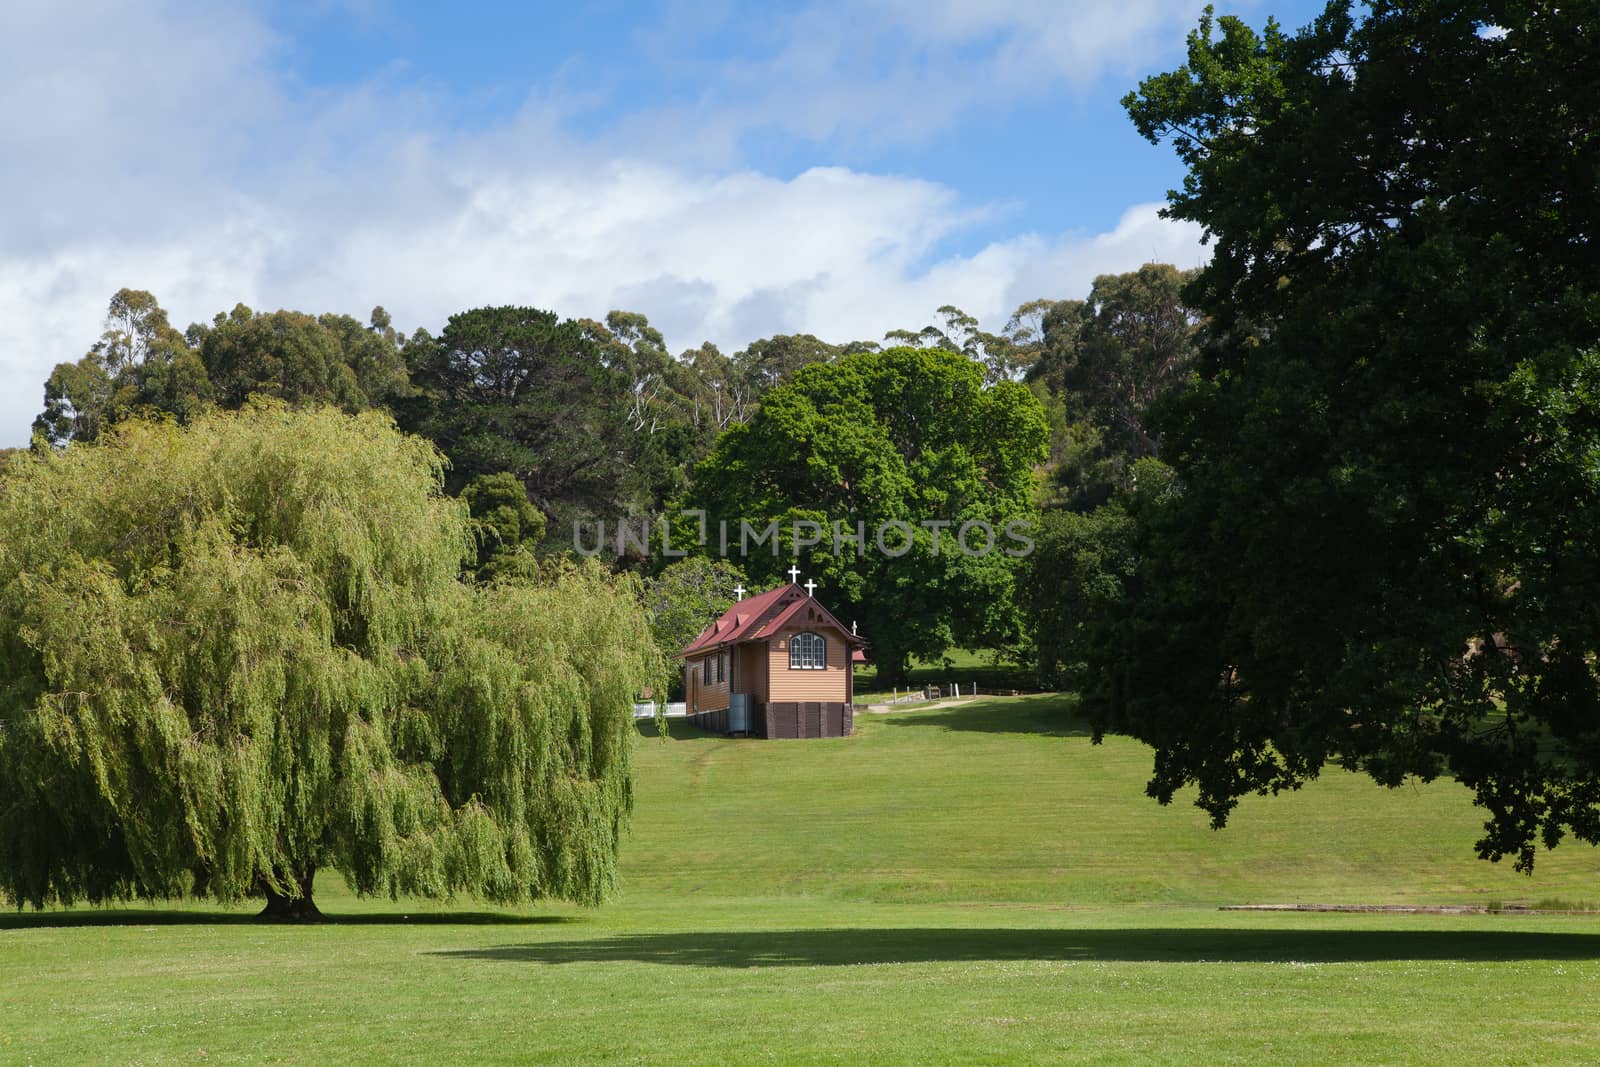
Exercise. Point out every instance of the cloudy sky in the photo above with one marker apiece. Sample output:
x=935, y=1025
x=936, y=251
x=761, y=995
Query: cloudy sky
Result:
x=730, y=170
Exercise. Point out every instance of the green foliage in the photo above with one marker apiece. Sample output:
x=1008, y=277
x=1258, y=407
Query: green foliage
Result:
x=140, y=363
x=507, y=526
x=521, y=391
x=676, y=406
x=1003, y=356
x=76, y=399
x=1075, y=576
x=1083, y=576
x=771, y=361
x=1381, y=549
x=302, y=359
x=239, y=652
x=1108, y=359
x=907, y=435
x=684, y=598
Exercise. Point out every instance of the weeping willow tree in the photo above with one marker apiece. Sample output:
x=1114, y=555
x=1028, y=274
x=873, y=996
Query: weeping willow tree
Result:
x=235, y=654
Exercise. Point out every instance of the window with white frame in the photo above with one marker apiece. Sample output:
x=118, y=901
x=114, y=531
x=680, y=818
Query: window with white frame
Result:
x=807, y=652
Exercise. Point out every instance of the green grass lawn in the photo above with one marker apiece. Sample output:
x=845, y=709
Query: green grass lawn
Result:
x=967, y=885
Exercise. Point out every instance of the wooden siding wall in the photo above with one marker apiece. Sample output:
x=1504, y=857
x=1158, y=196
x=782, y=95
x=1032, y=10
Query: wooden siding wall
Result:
x=701, y=696
x=791, y=686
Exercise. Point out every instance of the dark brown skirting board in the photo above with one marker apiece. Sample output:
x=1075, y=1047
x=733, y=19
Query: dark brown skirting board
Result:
x=786, y=720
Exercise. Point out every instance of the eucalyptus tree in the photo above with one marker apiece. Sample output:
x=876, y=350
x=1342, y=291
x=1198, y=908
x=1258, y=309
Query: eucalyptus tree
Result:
x=139, y=363
x=303, y=359
x=767, y=363
x=1004, y=356
x=1106, y=360
x=143, y=365
x=239, y=653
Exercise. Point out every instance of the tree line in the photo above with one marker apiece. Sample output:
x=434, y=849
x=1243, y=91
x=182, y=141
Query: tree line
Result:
x=549, y=423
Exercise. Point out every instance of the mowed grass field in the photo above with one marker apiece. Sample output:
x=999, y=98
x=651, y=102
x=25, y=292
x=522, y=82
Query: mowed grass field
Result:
x=974, y=884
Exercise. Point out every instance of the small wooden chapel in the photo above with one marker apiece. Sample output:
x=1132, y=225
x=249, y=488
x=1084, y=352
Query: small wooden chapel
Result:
x=777, y=665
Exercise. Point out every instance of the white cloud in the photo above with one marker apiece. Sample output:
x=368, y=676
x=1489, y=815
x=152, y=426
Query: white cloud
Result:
x=893, y=71
x=724, y=258
x=229, y=188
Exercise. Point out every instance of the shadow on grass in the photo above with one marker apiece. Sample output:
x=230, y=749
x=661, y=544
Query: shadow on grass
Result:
x=843, y=948
x=1050, y=715
x=89, y=917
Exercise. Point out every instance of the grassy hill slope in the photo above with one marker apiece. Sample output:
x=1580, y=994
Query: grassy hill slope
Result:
x=969, y=885
x=1008, y=801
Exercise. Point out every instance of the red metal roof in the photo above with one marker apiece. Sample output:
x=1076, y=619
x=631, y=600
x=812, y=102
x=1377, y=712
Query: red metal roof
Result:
x=741, y=619
x=762, y=614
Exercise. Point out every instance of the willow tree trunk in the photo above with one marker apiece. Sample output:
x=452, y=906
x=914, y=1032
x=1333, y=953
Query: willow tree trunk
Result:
x=301, y=908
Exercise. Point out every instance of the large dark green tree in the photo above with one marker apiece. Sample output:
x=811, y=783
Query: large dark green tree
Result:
x=1111, y=357
x=910, y=436
x=521, y=390
x=1382, y=547
x=236, y=654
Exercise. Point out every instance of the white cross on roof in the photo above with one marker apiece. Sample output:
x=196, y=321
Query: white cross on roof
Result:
x=739, y=591
x=810, y=587
x=794, y=573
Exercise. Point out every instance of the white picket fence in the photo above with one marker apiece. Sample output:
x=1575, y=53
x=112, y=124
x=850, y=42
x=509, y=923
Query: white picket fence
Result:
x=952, y=690
x=933, y=692
x=648, y=711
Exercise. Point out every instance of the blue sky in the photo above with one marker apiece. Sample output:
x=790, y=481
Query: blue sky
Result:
x=731, y=170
